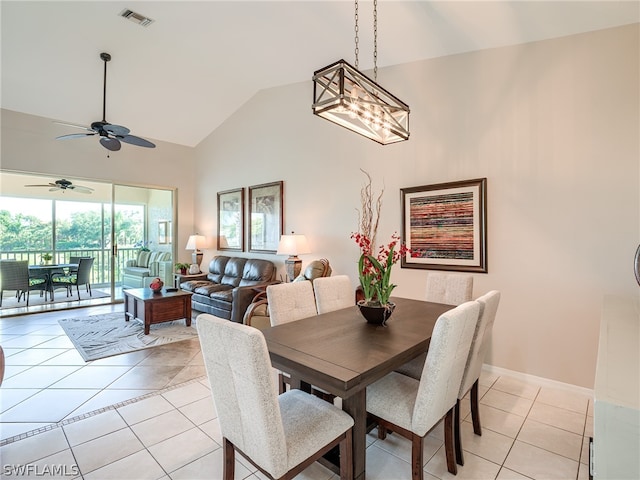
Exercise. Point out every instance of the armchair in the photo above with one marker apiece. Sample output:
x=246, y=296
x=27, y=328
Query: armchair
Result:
x=148, y=265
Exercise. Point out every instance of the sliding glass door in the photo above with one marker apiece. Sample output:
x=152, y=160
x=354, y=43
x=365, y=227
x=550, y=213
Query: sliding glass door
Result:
x=143, y=220
x=111, y=223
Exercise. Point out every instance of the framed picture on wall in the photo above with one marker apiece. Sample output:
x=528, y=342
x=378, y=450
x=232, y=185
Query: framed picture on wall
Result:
x=163, y=232
x=266, y=221
x=445, y=226
x=231, y=220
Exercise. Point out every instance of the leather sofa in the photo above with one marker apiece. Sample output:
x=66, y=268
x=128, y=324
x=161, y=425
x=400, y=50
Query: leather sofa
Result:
x=228, y=288
x=148, y=265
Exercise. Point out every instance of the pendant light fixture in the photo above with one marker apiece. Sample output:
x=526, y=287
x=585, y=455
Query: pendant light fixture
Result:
x=345, y=96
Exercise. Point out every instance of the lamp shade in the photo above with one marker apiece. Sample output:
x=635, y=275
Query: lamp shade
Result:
x=196, y=242
x=293, y=245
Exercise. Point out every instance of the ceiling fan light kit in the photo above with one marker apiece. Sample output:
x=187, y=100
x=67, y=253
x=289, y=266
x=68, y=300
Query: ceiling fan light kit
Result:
x=64, y=184
x=347, y=97
x=111, y=135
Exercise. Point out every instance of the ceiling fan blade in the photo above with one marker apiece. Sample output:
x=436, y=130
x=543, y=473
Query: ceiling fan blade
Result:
x=47, y=185
x=112, y=144
x=74, y=126
x=118, y=130
x=133, y=140
x=75, y=135
x=53, y=189
x=81, y=189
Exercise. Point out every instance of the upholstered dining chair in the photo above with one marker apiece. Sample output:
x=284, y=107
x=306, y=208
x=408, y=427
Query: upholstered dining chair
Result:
x=257, y=314
x=488, y=308
x=14, y=276
x=413, y=407
x=81, y=277
x=281, y=435
x=333, y=293
x=447, y=288
x=289, y=302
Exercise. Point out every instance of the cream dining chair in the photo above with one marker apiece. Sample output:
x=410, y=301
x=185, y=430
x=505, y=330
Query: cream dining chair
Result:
x=488, y=308
x=281, y=435
x=289, y=302
x=413, y=407
x=333, y=293
x=447, y=288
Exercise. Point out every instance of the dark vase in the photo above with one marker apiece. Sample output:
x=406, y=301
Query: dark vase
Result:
x=376, y=314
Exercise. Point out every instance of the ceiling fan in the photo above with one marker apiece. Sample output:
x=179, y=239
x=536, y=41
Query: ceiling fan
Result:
x=110, y=135
x=63, y=185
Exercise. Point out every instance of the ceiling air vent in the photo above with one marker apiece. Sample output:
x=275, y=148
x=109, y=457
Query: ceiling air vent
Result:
x=136, y=17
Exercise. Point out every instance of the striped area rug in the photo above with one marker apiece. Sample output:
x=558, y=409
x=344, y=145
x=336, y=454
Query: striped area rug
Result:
x=101, y=336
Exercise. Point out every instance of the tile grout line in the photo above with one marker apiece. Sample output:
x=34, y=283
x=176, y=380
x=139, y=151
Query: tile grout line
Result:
x=93, y=413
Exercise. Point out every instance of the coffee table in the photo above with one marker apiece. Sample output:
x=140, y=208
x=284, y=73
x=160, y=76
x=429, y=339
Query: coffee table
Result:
x=151, y=308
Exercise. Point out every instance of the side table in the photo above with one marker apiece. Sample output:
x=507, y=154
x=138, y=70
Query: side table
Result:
x=178, y=278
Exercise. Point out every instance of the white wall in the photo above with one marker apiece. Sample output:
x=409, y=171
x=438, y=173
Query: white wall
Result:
x=553, y=125
x=29, y=145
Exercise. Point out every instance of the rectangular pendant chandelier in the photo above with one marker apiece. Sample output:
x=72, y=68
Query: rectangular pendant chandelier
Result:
x=345, y=96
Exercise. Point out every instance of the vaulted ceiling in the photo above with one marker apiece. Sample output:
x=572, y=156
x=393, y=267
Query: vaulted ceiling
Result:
x=179, y=78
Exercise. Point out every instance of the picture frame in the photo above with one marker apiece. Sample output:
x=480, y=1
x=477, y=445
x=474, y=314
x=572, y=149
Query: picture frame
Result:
x=231, y=220
x=266, y=219
x=445, y=226
x=163, y=232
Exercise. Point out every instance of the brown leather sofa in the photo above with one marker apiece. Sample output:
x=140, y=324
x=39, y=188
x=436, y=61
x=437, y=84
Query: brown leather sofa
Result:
x=228, y=288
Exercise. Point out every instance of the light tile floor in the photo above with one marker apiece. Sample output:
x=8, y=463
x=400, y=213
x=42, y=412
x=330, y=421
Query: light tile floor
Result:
x=145, y=417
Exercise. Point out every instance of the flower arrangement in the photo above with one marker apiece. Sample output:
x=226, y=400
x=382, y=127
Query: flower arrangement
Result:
x=46, y=257
x=374, y=272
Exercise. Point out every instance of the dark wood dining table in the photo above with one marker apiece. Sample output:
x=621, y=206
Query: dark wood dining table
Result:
x=341, y=353
x=48, y=270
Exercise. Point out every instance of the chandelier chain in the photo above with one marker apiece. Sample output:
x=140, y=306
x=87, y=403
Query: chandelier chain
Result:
x=356, y=30
x=375, y=40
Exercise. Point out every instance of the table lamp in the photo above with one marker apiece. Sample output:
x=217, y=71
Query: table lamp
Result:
x=194, y=243
x=293, y=245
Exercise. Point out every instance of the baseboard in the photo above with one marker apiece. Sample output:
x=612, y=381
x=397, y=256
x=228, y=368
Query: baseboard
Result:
x=543, y=382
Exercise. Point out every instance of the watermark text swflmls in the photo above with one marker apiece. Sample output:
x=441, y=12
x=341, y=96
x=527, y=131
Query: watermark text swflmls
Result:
x=32, y=470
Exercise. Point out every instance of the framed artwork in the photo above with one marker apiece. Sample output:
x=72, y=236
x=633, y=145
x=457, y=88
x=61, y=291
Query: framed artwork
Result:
x=266, y=222
x=445, y=226
x=231, y=220
x=163, y=232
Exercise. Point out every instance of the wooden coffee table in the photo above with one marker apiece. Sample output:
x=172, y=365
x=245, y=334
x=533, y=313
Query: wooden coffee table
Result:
x=150, y=307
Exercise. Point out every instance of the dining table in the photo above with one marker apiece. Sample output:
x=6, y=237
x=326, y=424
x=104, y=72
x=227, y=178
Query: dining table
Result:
x=341, y=353
x=47, y=271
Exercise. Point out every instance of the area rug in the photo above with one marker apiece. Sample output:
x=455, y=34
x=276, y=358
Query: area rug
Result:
x=101, y=336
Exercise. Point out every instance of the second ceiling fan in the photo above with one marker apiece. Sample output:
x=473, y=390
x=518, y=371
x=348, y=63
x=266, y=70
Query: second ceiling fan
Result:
x=111, y=135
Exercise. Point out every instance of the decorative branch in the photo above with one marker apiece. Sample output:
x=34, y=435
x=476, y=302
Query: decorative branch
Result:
x=369, y=216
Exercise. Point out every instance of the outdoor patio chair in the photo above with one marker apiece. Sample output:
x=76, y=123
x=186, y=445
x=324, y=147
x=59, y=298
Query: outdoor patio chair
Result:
x=14, y=276
x=81, y=277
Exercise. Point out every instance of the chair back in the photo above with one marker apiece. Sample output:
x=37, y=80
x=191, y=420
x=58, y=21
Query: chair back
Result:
x=333, y=293
x=14, y=275
x=443, y=369
x=290, y=301
x=447, y=288
x=243, y=390
x=488, y=308
x=84, y=270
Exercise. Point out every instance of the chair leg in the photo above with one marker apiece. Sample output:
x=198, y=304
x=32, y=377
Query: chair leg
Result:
x=282, y=387
x=89, y=289
x=416, y=458
x=456, y=434
x=229, y=459
x=475, y=409
x=449, y=442
x=78, y=290
x=346, y=457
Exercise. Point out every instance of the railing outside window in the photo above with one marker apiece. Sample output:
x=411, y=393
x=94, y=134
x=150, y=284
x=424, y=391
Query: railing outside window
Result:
x=101, y=270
